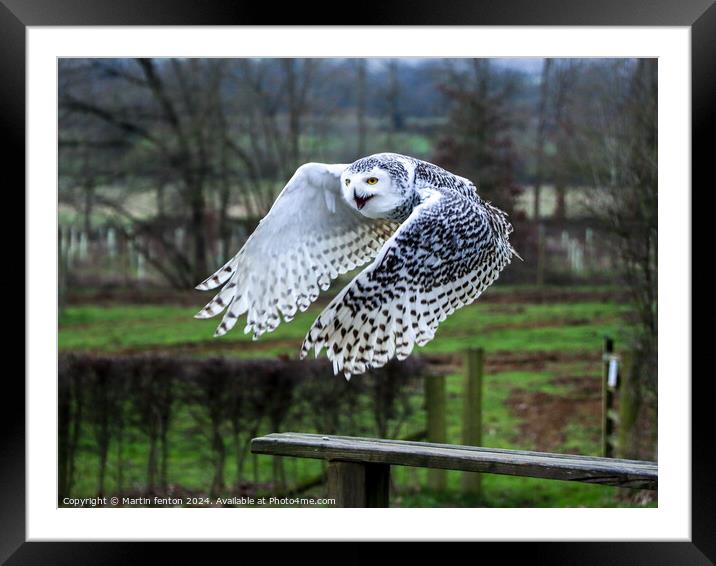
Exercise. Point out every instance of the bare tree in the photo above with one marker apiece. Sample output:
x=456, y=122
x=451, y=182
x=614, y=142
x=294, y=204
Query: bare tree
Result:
x=202, y=134
x=175, y=136
x=541, y=137
x=623, y=126
x=395, y=113
x=564, y=79
x=477, y=141
x=361, y=104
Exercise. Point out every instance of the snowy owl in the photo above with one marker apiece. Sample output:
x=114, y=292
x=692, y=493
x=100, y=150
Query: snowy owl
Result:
x=435, y=246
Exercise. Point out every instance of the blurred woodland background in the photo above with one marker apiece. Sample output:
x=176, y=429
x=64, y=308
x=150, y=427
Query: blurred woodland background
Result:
x=167, y=165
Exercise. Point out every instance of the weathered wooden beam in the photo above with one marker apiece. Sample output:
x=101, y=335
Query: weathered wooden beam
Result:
x=321, y=478
x=589, y=469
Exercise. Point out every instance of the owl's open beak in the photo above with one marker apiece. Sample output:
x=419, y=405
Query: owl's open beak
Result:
x=361, y=199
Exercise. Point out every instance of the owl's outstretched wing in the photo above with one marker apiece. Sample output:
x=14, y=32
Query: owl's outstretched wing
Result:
x=308, y=238
x=448, y=251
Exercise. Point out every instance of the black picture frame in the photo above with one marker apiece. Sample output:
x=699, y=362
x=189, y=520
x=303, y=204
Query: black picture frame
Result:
x=17, y=15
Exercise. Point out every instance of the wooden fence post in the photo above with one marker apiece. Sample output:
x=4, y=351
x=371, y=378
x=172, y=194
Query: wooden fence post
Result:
x=437, y=425
x=607, y=400
x=629, y=402
x=355, y=484
x=472, y=413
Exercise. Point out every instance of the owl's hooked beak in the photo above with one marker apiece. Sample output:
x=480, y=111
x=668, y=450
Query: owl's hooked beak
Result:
x=361, y=199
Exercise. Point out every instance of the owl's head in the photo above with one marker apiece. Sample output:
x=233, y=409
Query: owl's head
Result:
x=377, y=185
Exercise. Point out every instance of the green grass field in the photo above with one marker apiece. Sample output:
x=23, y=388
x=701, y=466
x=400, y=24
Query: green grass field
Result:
x=493, y=326
x=541, y=392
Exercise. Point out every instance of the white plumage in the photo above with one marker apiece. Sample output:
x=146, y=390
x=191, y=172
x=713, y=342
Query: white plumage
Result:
x=435, y=244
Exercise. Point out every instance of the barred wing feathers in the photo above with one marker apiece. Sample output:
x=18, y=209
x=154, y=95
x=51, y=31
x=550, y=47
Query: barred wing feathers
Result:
x=309, y=237
x=447, y=252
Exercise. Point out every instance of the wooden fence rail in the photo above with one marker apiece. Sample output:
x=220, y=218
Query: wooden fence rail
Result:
x=359, y=468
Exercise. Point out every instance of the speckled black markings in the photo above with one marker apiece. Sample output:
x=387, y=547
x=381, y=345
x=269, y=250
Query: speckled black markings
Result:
x=451, y=248
x=288, y=282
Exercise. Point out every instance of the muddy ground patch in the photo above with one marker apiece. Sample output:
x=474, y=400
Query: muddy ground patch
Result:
x=545, y=416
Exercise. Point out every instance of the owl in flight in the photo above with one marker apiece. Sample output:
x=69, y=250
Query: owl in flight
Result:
x=433, y=243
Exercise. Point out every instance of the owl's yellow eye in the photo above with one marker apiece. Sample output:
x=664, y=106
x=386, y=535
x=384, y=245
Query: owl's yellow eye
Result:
x=371, y=180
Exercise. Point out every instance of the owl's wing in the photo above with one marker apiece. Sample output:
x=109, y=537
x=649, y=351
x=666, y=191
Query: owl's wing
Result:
x=308, y=238
x=447, y=252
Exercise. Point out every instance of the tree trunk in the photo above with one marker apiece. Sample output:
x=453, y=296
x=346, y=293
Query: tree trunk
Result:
x=294, y=110
x=198, y=233
x=395, y=112
x=77, y=395
x=63, y=438
x=163, y=479
x=152, y=461
x=161, y=200
x=560, y=210
x=541, y=138
x=217, y=484
x=120, y=452
x=360, y=105
x=88, y=205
